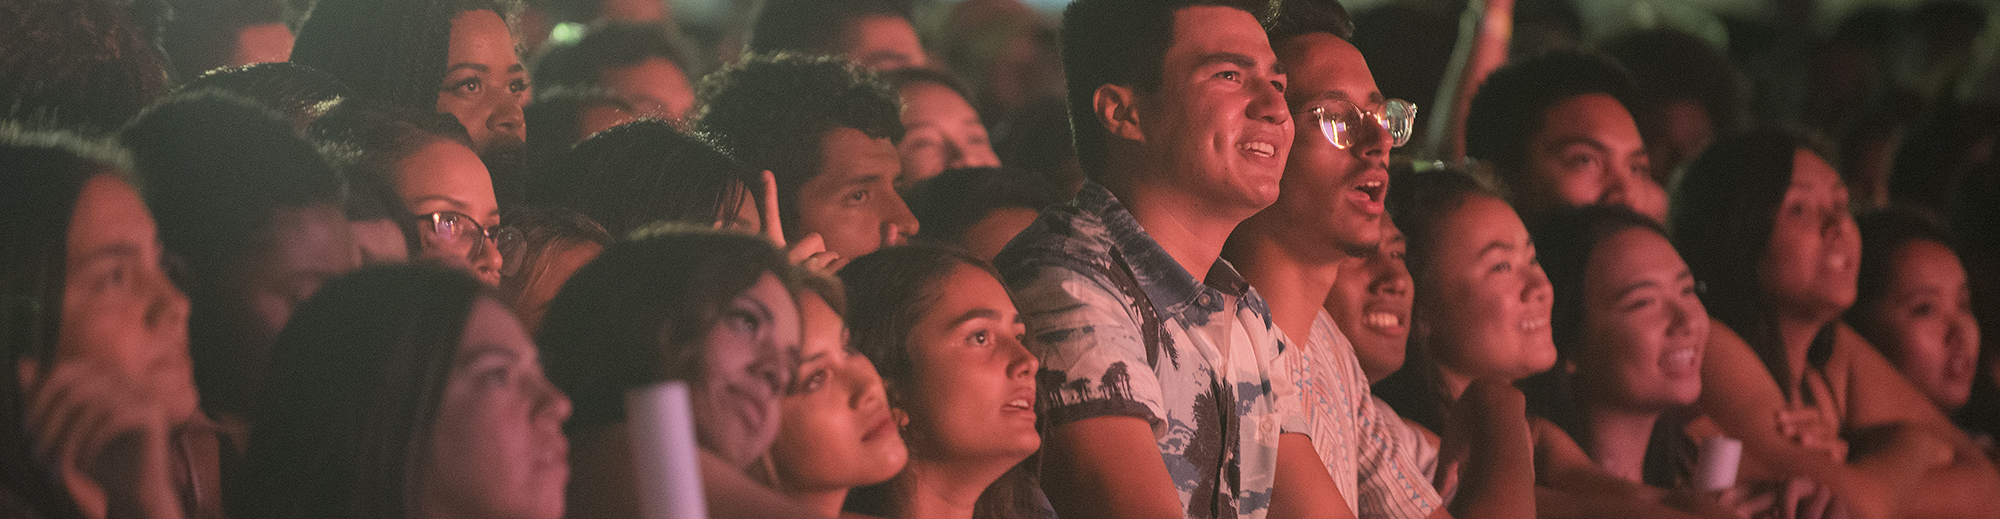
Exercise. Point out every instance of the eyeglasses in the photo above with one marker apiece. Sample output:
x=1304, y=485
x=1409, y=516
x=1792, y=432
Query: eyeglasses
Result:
x=454, y=232
x=1339, y=120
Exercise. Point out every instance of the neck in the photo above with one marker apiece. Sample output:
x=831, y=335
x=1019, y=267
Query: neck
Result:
x=1796, y=334
x=1190, y=227
x=933, y=489
x=1293, y=282
x=826, y=502
x=1618, y=440
x=1454, y=383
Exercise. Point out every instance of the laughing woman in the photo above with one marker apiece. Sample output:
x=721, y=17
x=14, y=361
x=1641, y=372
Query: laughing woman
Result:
x=948, y=341
x=1762, y=220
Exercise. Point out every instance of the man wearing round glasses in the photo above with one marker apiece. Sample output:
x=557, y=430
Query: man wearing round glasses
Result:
x=1330, y=209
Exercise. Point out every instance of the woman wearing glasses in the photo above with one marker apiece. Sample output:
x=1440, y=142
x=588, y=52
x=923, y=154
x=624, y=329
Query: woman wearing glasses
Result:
x=425, y=162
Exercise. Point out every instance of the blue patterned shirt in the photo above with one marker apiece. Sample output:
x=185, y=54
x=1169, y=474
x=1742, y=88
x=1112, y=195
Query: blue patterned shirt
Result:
x=1123, y=330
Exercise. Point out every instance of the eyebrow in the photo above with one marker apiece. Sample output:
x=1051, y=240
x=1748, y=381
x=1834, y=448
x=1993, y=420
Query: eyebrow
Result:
x=476, y=67
x=455, y=203
x=865, y=179
x=468, y=356
x=1649, y=283
x=976, y=313
x=1232, y=58
x=113, y=251
x=1587, y=141
x=1498, y=245
x=1374, y=98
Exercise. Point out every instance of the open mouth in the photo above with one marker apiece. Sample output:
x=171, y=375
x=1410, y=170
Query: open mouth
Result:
x=1382, y=320
x=1534, y=325
x=1680, y=361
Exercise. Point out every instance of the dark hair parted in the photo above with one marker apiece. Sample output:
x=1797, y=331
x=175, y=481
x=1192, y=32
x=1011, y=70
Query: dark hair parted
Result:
x=355, y=384
x=647, y=171
x=641, y=312
x=770, y=112
x=1301, y=17
x=85, y=66
x=41, y=176
x=951, y=203
x=297, y=91
x=888, y=292
x=1884, y=233
x=1566, y=242
x=1419, y=202
x=1120, y=42
x=392, y=52
x=814, y=26
x=1512, y=105
x=1723, y=210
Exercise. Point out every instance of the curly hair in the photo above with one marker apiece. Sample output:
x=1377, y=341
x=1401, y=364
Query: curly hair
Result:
x=770, y=112
x=84, y=66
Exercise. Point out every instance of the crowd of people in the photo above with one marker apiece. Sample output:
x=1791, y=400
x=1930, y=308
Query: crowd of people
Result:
x=956, y=259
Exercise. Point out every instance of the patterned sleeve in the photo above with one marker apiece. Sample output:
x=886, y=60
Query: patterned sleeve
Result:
x=1395, y=480
x=1093, y=355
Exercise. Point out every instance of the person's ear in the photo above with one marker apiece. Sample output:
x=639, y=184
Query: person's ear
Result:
x=1117, y=108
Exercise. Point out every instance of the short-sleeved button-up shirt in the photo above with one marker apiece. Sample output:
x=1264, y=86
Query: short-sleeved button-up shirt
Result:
x=1123, y=330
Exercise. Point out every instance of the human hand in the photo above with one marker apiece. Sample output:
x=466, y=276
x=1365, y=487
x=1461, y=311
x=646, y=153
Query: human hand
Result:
x=105, y=435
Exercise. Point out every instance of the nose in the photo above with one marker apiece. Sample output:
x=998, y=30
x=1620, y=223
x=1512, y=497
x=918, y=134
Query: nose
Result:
x=1022, y=363
x=555, y=406
x=1268, y=104
x=1374, y=144
x=900, y=224
x=1389, y=281
x=1535, y=288
x=864, y=385
x=169, y=308
x=507, y=118
x=487, y=263
x=1679, y=315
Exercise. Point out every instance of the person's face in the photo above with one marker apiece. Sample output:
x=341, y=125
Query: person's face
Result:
x=262, y=43
x=1588, y=152
x=942, y=132
x=883, y=42
x=497, y=449
x=748, y=365
x=1487, y=300
x=654, y=85
x=1218, y=124
x=1327, y=188
x=1924, y=322
x=852, y=202
x=1643, y=325
x=557, y=264
x=1684, y=130
x=837, y=431
x=379, y=241
x=985, y=238
x=120, y=312
x=1810, y=266
x=485, y=84
x=444, y=176
x=1370, y=303
x=300, y=249
x=972, y=393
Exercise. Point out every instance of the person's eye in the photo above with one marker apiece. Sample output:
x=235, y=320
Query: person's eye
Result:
x=1795, y=209
x=466, y=86
x=1923, y=309
x=518, y=85
x=1501, y=267
x=857, y=197
x=980, y=338
x=812, y=382
x=1229, y=75
x=1579, y=161
x=1280, y=85
x=743, y=322
x=495, y=377
x=116, y=277
x=1639, y=304
x=1399, y=256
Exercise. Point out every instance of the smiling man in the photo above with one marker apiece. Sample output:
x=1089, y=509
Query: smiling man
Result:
x=1158, y=379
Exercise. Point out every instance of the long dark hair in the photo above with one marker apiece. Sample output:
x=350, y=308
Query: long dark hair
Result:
x=354, y=388
x=640, y=313
x=389, y=51
x=1566, y=241
x=646, y=171
x=1419, y=201
x=41, y=176
x=1723, y=210
x=888, y=292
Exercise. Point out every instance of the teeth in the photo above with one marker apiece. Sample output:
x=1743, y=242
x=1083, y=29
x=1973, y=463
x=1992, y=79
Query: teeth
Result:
x=1382, y=319
x=1260, y=148
x=1530, y=325
x=1681, y=358
x=1019, y=403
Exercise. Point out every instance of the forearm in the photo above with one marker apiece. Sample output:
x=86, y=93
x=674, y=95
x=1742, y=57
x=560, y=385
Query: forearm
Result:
x=1484, y=32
